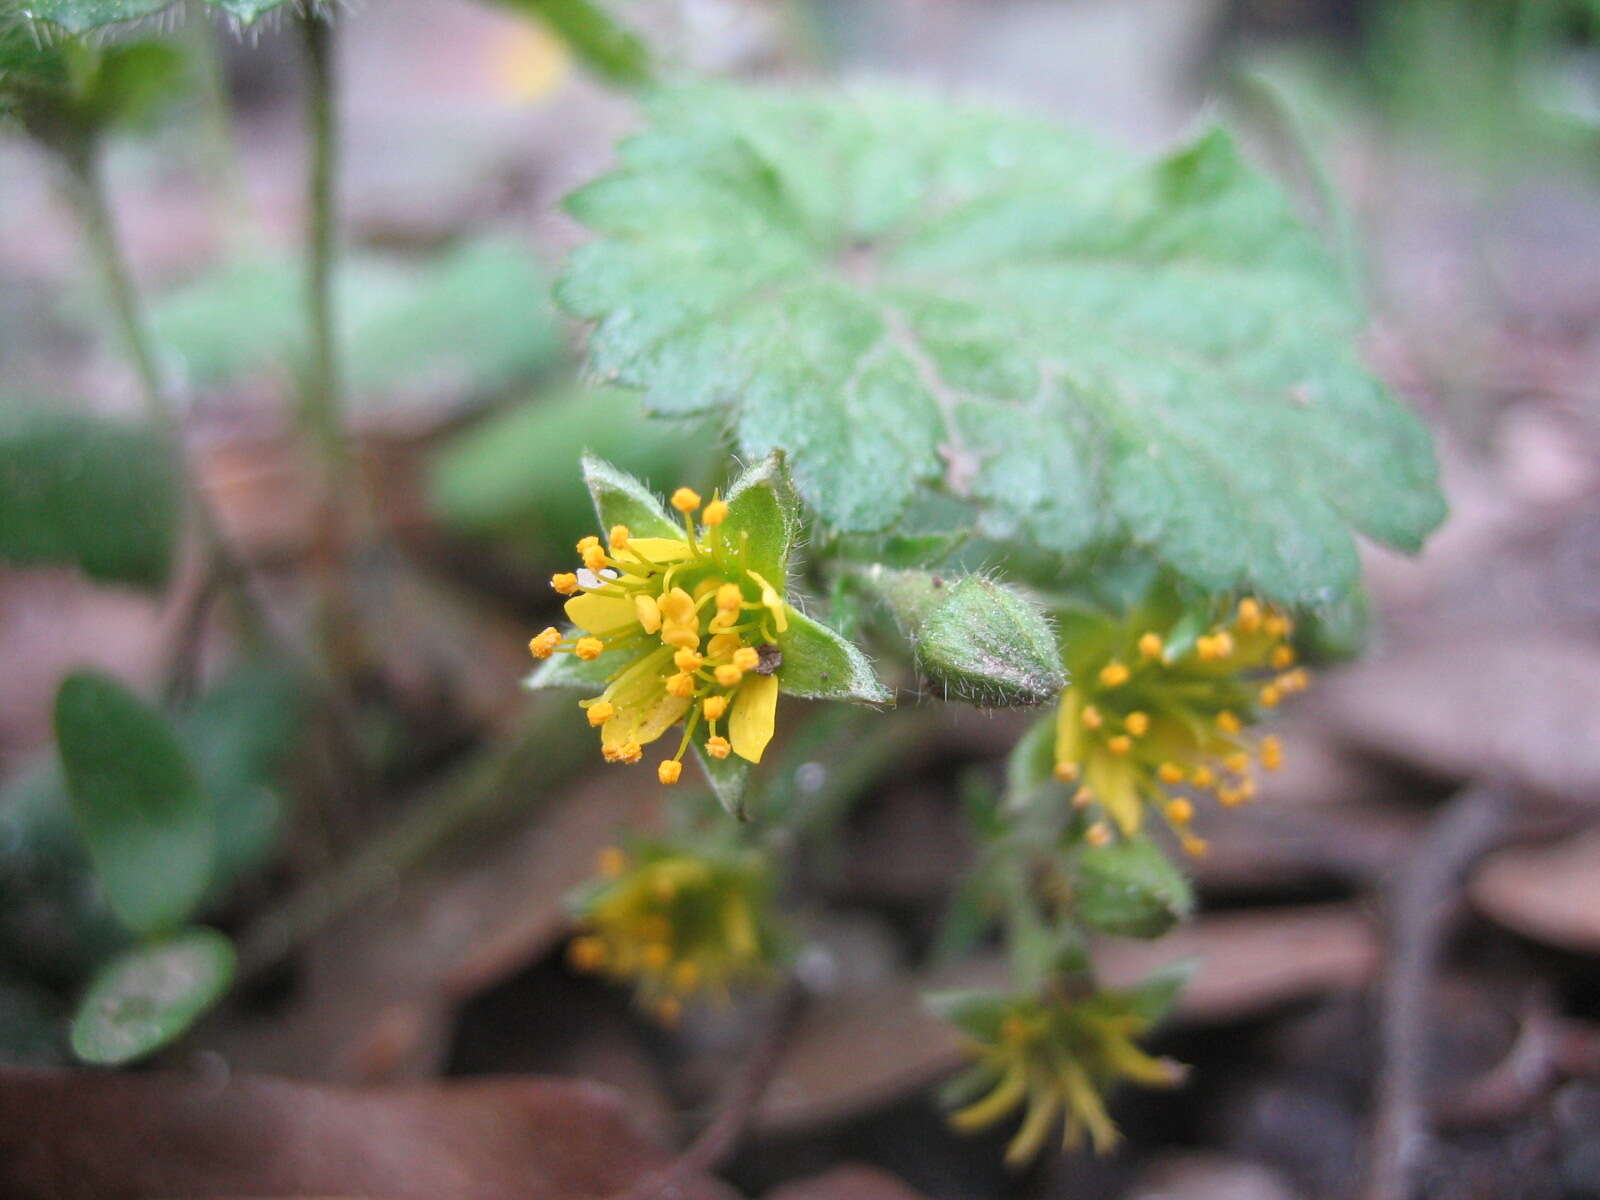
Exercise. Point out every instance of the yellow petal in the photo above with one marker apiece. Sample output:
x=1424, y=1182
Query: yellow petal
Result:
x=755, y=707
x=656, y=549
x=1115, y=785
x=772, y=602
x=602, y=615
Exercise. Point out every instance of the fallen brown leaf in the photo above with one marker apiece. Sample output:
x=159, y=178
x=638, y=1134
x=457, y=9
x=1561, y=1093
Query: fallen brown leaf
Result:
x=71, y=1135
x=1550, y=893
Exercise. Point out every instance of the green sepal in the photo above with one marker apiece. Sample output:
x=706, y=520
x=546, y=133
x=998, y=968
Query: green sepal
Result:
x=729, y=777
x=1153, y=997
x=818, y=664
x=763, y=514
x=1129, y=888
x=976, y=1012
x=620, y=499
x=570, y=671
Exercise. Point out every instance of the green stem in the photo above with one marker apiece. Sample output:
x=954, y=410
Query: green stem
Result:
x=323, y=401
x=218, y=148
x=88, y=190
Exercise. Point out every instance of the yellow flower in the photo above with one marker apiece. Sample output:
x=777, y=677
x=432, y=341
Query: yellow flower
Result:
x=1152, y=712
x=1054, y=1060
x=677, y=923
x=698, y=628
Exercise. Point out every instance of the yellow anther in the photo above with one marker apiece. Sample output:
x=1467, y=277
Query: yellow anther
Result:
x=611, y=861
x=1202, y=777
x=1169, y=772
x=1150, y=645
x=1293, y=681
x=668, y=770
x=1229, y=797
x=723, y=618
x=728, y=675
x=544, y=643
x=680, y=685
x=716, y=513
x=1238, y=762
x=619, y=537
x=632, y=752
x=1195, y=847
x=648, y=612
x=1212, y=647
x=1120, y=744
x=564, y=582
x=1228, y=722
x=684, y=637
x=714, y=707
x=1277, y=625
x=586, y=954
x=1271, y=753
x=1091, y=717
x=1083, y=797
x=1098, y=834
x=746, y=658
x=718, y=747
x=1270, y=696
x=589, y=648
x=677, y=606
x=656, y=956
x=587, y=544
x=687, y=660
x=685, y=978
x=1282, y=658
x=723, y=645
x=685, y=500
x=1014, y=1029
x=594, y=558
x=729, y=597
x=1067, y=772
x=611, y=753
x=1179, y=811
x=600, y=712
x=669, y=1010
x=1113, y=674
x=1138, y=723
x=1248, y=619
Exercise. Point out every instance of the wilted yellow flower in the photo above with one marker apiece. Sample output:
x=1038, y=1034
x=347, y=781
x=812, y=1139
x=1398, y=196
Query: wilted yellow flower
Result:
x=1152, y=711
x=1053, y=1059
x=677, y=923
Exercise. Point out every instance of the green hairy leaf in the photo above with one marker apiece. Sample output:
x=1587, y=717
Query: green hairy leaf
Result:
x=150, y=995
x=137, y=800
x=83, y=16
x=907, y=296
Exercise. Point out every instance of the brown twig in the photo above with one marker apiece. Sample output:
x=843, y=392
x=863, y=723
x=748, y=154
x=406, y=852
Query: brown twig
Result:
x=1420, y=915
x=738, y=1107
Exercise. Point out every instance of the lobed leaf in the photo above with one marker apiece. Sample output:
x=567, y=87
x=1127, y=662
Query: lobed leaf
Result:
x=906, y=296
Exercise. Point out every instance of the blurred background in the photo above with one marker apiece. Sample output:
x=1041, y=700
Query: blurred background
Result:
x=1449, y=149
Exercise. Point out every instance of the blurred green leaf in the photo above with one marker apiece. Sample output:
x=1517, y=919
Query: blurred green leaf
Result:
x=31, y=1023
x=1129, y=888
x=130, y=81
x=470, y=322
x=903, y=295
x=137, y=800
x=609, y=49
x=238, y=734
x=78, y=490
x=150, y=995
x=516, y=473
